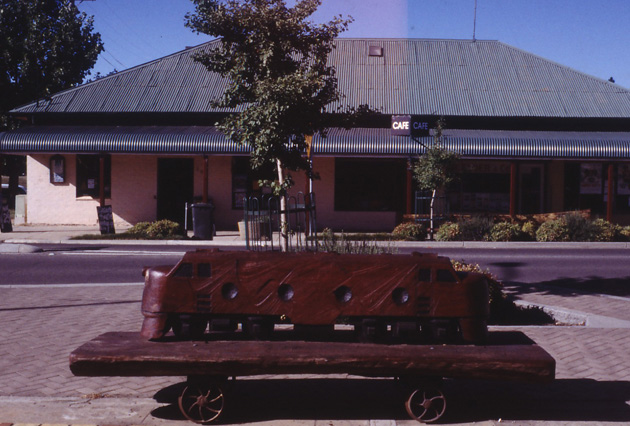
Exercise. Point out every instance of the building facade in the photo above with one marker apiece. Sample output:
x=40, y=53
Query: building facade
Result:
x=534, y=136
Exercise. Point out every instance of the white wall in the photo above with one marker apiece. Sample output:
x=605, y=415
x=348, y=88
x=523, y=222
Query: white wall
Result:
x=134, y=194
x=132, y=199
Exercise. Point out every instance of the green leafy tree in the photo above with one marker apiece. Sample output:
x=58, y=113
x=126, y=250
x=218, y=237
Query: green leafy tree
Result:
x=45, y=46
x=274, y=60
x=436, y=169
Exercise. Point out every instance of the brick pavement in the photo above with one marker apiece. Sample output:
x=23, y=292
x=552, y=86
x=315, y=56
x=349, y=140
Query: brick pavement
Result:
x=42, y=325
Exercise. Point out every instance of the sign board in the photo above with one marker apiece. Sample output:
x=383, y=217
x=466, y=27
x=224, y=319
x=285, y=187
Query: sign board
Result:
x=410, y=125
x=105, y=220
x=5, y=216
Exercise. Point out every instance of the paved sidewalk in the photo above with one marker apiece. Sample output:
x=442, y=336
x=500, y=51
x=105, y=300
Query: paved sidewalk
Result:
x=42, y=325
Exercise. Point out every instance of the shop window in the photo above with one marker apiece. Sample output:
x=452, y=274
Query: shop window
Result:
x=483, y=187
x=57, y=169
x=88, y=176
x=245, y=181
x=369, y=185
x=586, y=187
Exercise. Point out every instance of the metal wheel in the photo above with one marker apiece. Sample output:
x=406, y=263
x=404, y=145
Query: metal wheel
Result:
x=202, y=403
x=426, y=405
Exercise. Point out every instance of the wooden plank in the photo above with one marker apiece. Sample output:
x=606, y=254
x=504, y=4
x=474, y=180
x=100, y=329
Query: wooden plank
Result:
x=508, y=356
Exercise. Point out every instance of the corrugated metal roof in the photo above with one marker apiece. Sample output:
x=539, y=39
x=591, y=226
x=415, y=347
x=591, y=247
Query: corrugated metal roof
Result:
x=339, y=142
x=414, y=76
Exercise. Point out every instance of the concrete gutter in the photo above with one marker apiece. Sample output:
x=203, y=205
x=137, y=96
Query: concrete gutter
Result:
x=18, y=248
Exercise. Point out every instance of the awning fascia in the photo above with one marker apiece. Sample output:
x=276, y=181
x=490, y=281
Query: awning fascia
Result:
x=359, y=142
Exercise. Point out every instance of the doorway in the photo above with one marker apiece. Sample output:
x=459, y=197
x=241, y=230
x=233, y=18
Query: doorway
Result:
x=531, y=188
x=174, y=188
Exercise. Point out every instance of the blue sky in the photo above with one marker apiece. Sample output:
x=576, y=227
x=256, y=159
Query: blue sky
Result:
x=591, y=36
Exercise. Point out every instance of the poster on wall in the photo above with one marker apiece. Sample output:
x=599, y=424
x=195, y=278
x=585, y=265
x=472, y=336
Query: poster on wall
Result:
x=590, y=178
x=623, y=179
x=5, y=216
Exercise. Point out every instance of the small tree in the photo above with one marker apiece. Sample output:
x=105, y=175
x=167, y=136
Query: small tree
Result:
x=45, y=46
x=275, y=64
x=435, y=169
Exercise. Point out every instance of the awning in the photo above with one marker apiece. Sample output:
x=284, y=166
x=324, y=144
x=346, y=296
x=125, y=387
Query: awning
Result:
x=366, y=142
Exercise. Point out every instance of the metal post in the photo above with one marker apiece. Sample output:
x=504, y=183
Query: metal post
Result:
x=205, y=179
x=513, y=174
x=101, y=182
x=609, y=203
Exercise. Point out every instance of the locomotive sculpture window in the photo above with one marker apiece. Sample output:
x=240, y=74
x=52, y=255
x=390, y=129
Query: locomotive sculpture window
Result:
x=445, y=276
x=204, y=270
x=424, y=275
x=185, y=270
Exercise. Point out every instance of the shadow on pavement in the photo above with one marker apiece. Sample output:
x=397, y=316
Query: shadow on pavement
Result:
x=251, y=400
x=571, y=287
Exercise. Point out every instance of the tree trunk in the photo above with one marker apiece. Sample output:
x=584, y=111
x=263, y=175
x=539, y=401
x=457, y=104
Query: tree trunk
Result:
x=433, y=194
x=284, y=232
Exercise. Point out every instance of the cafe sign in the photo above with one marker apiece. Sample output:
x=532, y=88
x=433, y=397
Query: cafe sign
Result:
x=409, y=125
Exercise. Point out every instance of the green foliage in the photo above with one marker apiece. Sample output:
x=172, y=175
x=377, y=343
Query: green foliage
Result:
x=528, y=230
x=579, y=227
x=572, y=227
x=505, y=231
x=435, y=169
x=606, y=231
x=274, y=60
x=449, y=231
x=329, y=242
x=410, y=231
x=625, y=233
x=477, y=228
x=45, y=46
x=162, y=229
x=553, y=231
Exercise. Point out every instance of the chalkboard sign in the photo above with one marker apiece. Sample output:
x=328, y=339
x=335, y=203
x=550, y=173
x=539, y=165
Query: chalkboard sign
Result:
x=5, y=216
x=105, y=220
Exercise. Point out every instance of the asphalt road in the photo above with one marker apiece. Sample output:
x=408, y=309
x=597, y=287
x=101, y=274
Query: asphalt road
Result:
x=63, y=264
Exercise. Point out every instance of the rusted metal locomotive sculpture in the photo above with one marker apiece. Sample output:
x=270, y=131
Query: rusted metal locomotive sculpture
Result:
x=380, y=295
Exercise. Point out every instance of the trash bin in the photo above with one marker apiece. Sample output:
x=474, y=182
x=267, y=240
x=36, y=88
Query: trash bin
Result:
x=203, y=221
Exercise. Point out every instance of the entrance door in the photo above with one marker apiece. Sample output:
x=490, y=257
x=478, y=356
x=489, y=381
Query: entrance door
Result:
x=531, y=188
x=174, y=187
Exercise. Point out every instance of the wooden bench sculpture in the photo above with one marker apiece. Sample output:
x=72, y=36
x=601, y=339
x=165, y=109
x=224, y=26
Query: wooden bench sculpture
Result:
x=401, y=305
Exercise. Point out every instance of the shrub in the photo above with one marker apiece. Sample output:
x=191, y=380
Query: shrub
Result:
x=449, y=231
x=477, y=228
x=162, y=229
x=625, y=233
x=329, y=242
x=410, y=231
x=579, y=227
x=606, y=231
x=504, y=231
x=528, y=230
x=139, y=229
x=553, y=230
